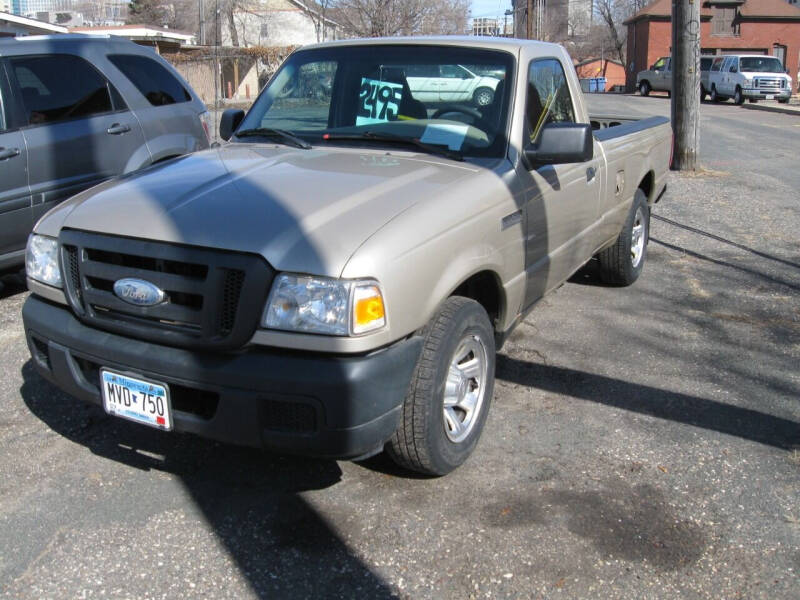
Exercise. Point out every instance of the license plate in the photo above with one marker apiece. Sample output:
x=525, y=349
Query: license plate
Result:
x=770, y=96
x=136, y=399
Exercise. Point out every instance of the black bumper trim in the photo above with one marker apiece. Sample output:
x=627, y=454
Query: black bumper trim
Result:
x=356, y=399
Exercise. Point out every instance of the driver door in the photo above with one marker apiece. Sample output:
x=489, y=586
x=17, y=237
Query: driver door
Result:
x=561, y=201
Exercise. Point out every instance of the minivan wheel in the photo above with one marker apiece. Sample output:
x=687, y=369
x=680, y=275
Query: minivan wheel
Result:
x=622, y=262
x=450, y=392
x=703, y=93
x=714, y=96
x=738, y=98
x=644, y=88
x=483, y=96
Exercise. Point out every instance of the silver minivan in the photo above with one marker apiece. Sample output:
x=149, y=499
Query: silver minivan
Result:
x=76, y=110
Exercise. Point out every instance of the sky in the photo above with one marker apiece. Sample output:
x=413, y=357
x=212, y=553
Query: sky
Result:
x=489, y=8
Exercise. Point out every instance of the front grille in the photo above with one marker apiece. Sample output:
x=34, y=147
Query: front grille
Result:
x=214, y=299
x=768, y=83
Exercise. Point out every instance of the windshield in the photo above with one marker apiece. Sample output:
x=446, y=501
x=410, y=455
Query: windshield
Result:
x=760, y=64
x=449, y=97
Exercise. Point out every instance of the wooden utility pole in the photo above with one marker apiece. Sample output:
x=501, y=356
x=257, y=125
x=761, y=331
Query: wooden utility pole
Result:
x=685, y=84
x=529, y=21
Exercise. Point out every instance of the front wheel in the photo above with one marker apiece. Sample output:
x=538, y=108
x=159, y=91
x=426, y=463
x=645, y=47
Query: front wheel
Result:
x=450, y=392
x=783, y=100
x=483, y=96
x=622, y=262
x=738, y=98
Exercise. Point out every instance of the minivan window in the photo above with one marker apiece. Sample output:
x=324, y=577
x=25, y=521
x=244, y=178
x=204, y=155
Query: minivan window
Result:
x=717, y=64
x=60, y=87
x=154, y=82
x=705, y=63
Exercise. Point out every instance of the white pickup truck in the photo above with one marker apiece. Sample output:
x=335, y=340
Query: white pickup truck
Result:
x=335, y=281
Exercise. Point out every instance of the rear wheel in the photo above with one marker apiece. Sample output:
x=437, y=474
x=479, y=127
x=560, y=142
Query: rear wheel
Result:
x=622, y=262
x=738, y=98
x=714, y=96
x=703, y=93
x=783, y=100
x=450, y=392
x=644, y=88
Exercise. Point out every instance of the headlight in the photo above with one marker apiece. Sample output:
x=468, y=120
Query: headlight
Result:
x=41, y=260
x=322, y=305
x=749, y=83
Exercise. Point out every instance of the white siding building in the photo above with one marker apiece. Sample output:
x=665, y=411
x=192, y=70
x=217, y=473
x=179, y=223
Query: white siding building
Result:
x=280, y=23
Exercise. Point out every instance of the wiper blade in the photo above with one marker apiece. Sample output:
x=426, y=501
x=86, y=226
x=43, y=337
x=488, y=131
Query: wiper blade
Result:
x=397, y=139
x=272, y=132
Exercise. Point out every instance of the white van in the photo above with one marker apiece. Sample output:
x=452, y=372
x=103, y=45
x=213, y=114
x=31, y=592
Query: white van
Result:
x=752, y=76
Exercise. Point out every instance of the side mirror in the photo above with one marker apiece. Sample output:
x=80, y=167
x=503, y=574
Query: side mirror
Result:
x=561, y=143
x=230, y=120
x=787, y=70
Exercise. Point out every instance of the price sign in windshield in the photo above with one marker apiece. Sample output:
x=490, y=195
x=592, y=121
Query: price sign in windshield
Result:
x=378, y=102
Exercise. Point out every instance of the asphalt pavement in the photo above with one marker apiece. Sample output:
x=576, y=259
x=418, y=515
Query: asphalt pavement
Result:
x=644, y=442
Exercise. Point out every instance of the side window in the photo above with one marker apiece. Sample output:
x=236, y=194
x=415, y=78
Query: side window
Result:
x=715, y=66
x=454, y=72
x=154, y=82
x=60, y=87
x=422, y=71
x=732, y=66
x=659, y=64
x=548, y=100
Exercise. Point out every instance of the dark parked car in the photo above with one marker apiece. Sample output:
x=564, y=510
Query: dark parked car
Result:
x=76, y=110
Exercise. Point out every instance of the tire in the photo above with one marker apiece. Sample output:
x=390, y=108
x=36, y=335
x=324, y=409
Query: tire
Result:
x=483, y=96
x=703, y=93
x=783, y=100
x=644, y=88
x=714, y=96
x=623, y=261
x=438, y=430
x=738, y=98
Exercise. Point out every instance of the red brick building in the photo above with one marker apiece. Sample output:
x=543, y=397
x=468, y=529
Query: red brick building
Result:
x=612, y=70
x=726, y=27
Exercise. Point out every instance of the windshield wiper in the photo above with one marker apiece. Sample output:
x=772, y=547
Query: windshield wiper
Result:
x=374, y=136
x=271, y=132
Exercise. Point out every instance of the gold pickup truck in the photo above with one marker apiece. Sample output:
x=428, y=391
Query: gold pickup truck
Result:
x=335, y=279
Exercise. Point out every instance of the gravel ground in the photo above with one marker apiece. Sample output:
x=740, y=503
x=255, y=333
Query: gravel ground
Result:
x=643, y=442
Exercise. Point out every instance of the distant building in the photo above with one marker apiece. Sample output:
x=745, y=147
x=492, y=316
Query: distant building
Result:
x=16, y=25
x=281, y=23
x=726, y=27
x=485, y=26
x=553, y=20
x=160, y=39
x=612, y=70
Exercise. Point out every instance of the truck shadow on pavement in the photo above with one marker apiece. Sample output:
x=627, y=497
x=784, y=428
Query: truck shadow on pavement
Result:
x=252, y=500
x=724, y=418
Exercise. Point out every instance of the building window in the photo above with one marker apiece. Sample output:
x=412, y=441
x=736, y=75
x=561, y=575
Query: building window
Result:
x=722, y=20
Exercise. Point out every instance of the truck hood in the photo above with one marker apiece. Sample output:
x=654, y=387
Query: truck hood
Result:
x=302, y=210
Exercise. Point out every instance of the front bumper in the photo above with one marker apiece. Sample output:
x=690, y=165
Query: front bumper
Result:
x=298, y=402
x=757, y=94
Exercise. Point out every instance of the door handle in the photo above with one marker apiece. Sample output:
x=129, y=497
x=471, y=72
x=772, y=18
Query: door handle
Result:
x=6, y=153
x=590, y=173
x=118, y=128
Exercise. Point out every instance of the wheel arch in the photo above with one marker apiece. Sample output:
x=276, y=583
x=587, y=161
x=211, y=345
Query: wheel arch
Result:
x=486, y=289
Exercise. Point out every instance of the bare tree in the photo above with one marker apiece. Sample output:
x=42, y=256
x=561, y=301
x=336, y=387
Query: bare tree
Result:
x=613, y=13
x=381, y=18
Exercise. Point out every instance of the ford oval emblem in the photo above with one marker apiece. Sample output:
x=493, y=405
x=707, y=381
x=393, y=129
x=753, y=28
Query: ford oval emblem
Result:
x=139, y=292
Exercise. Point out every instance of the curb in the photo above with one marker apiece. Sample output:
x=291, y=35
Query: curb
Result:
x=774, y=109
